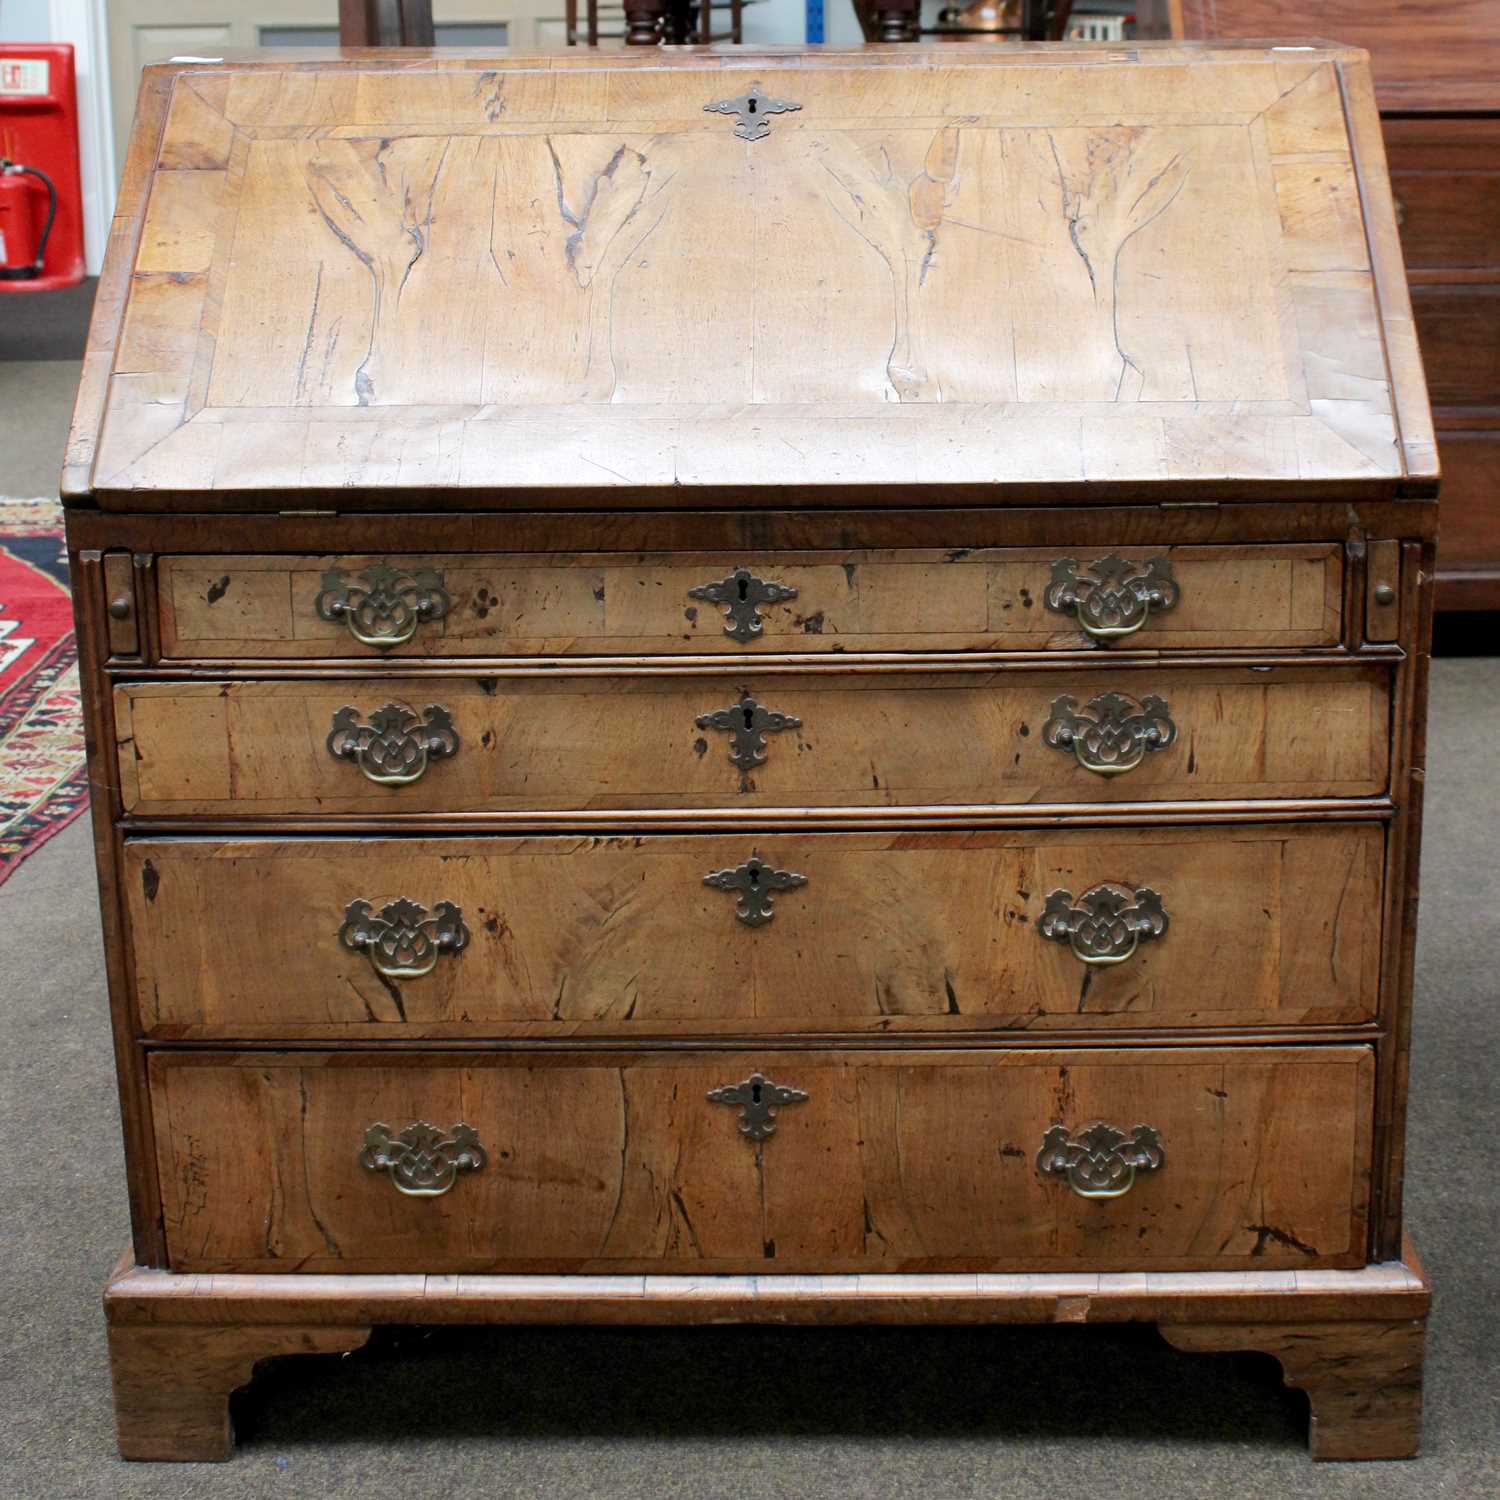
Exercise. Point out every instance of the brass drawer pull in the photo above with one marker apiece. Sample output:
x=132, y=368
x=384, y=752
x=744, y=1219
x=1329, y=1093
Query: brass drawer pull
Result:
x=421, y=1160
x=1113, y=734
x=748, y=723
x=758, y=1099
x=755, y=884
x=404, y=941
x=1117, y=600
x=395, y=746
x=385, y=608
x=742, y=595
x=1100, y=1162
x=1107, y=922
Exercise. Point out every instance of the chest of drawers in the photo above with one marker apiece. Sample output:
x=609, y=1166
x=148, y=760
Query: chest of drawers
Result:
x=732, y=687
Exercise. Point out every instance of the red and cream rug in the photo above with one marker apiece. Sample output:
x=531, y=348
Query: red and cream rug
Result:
x=43, y=786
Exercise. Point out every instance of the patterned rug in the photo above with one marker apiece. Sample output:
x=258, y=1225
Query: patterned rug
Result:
x=43, y=785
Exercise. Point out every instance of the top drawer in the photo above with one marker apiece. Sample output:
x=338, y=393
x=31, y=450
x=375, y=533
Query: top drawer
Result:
x=983, y=599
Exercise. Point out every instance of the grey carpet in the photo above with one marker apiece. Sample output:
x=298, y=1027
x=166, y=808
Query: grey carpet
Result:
x=702, y=1414
x=36, y=404
x=46, y=325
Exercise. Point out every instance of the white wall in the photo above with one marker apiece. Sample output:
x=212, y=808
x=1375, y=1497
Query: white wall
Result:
x=25, y=21
x=81, y=22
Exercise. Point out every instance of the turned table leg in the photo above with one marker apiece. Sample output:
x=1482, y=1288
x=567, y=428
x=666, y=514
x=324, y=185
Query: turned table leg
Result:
x=1363, y=1379
x=172, y=1385
x=643, y=22
x=897, y=20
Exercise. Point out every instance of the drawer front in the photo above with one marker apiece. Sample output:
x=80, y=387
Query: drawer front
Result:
x=1262, y=926
x=598, y=741
x=1458, y=328
x=1471, y=506
x=1445, y=174
x=1449, y=220
x=284, y=608
x=892, y=1161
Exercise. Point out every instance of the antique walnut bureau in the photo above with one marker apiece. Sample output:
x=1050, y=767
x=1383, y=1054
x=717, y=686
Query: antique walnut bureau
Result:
x=758, y=686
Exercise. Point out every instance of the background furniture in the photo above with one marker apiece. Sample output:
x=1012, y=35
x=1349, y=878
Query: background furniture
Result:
x=1437, y=78
x=385, y=23
x=629, y=787
x=901, y=21
x=408, y=23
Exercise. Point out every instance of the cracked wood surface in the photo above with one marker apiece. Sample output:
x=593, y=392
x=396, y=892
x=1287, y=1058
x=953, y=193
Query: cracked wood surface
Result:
x=897, y=1161
x=893, y=933
x=564, y=603
x=546, y=278
x=605, y=739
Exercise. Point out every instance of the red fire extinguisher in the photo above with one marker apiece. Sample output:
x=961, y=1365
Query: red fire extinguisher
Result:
x=22, y=246
x=41, y=195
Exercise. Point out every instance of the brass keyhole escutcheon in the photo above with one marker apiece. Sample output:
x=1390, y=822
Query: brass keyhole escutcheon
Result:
x=741, y=596
x=752, y=109
x=755, y=883
x=758, y=1099
x=747, y=724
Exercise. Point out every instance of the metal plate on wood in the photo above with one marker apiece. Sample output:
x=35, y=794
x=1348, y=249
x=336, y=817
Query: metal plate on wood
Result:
x=747, y=724
x=752, y=109
x=758, y=1099
x=755, y=883
x=1100, y=1162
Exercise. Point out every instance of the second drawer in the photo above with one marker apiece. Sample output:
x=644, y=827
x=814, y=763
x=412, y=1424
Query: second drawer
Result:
x=1246, y=926
x=606, y=741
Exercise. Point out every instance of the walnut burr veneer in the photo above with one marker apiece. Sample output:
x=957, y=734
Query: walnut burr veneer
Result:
x=758, y=686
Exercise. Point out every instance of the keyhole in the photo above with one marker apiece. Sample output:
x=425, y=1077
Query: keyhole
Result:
x=754, y=874
x=750, y=104
x=755, y=1093
x=745, y=582
x=749, y=718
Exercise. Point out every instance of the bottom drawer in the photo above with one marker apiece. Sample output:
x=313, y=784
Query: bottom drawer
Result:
x=894, y=1160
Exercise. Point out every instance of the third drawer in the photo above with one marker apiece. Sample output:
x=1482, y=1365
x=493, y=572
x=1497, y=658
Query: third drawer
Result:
x=1244, y=926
